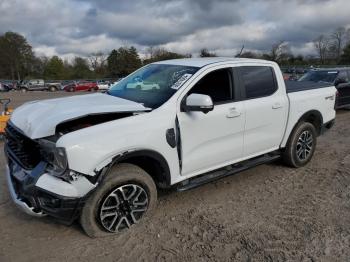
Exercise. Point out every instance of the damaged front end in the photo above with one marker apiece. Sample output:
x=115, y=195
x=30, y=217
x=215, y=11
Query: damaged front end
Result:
x=38, y=174
x=35, y=174
x=87, y=121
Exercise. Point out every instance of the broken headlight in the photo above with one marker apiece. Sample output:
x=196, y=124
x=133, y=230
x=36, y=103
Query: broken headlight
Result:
x=55, y=157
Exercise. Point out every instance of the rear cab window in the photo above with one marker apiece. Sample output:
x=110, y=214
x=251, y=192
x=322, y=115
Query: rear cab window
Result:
x=258, y=81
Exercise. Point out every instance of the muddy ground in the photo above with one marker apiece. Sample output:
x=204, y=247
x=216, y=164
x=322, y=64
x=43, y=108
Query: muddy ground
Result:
x=269, y=213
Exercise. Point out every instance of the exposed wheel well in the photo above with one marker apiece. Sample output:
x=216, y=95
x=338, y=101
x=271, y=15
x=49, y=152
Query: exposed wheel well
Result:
x=153, y=163
x=315, y=118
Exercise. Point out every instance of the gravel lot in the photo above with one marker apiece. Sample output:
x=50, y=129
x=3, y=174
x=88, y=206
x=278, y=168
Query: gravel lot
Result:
x=269, y=213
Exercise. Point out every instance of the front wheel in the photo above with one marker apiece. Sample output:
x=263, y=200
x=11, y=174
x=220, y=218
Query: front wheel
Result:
x=124, y=197
x=301, y=145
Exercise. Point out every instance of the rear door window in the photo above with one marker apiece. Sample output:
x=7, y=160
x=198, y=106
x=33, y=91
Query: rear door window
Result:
x=258, y=81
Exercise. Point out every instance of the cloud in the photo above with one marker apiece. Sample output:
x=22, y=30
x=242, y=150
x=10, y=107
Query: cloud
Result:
x=79, y=27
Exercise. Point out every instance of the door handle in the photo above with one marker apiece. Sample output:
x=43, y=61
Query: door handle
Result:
x=233, y=112
x=276, y=106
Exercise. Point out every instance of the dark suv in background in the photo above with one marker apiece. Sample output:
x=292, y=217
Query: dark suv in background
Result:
x=38, y=85
x=340, y=77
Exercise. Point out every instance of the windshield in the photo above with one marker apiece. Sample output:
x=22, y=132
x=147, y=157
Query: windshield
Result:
x=153, y=84
x=320, y=76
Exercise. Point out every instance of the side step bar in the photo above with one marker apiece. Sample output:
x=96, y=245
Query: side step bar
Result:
x=224, y=172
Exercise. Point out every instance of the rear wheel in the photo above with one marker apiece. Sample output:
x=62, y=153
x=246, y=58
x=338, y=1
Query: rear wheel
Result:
x=23, y=90
x=52, y=89
x=125, y=196
x=301, y=145
x=71, y=89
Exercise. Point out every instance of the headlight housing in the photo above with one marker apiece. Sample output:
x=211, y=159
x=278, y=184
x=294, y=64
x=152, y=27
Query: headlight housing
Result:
x=55, y=157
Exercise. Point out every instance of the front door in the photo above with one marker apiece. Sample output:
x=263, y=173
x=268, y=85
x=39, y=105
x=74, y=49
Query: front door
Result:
x=215, y=139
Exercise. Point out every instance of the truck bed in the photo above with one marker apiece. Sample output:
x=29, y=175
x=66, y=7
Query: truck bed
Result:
x=296, y=86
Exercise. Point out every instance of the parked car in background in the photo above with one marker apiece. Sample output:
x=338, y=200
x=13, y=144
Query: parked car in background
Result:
x=53, y=86
x=38, y=85
x=9, y=84
x=81, y=86
x=138, y=83
x=103, y=85
x=339, y=77
x=4, y=87
x=64, y=83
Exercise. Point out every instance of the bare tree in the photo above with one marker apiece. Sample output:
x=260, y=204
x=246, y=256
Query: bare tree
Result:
x=98, y=61
x=347, y=37
x=322, y=45
x=205, y=53
x=338, y=40
x=279, y=51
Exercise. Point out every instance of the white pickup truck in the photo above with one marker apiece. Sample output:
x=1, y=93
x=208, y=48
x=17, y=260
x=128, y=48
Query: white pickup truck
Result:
x=100, y=158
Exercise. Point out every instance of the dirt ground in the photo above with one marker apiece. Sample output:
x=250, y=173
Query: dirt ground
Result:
x=269, y=213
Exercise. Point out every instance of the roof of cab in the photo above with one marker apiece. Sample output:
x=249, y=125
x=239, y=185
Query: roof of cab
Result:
x=200, y=62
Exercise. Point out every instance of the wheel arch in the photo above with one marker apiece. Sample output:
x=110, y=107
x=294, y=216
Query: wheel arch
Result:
x=314, y=117
x=150, y=161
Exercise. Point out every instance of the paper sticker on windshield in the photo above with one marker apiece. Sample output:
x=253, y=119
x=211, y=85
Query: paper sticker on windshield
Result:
x=181, y=80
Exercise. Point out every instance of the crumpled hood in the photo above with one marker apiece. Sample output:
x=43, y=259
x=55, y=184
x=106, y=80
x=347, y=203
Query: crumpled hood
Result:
x=39, y=119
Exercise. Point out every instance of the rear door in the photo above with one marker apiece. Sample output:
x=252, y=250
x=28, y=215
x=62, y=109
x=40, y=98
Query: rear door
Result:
x=266, y=108
x=215, y=139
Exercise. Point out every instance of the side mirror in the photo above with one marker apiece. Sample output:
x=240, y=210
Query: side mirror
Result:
x=198, y=103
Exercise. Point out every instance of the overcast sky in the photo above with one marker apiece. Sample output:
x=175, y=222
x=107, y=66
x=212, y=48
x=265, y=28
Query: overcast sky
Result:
x=79, y=27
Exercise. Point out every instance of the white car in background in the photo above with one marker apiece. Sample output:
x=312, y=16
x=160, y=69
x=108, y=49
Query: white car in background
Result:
x=103, y=85
x=138, y=83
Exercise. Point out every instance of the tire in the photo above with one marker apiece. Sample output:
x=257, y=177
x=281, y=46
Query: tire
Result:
x=301, y=145
x=126, y=178
x=23, y=90
x=71, y=89
x=52, y=89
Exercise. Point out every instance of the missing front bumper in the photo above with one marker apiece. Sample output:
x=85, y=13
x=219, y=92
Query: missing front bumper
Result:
x=17, y=200
x=38, y=202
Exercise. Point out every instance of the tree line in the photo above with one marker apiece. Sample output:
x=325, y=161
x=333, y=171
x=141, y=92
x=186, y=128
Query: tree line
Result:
x=331, y=49
x=18, y=60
